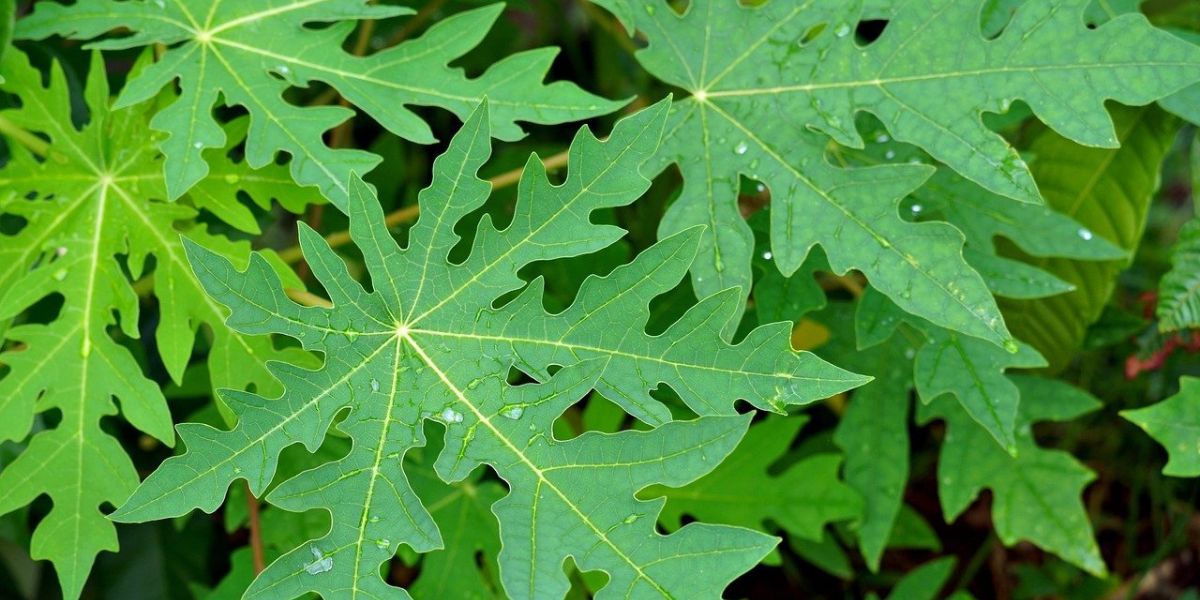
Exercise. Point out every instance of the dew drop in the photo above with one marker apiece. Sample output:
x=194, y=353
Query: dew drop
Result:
x=842, y=31
x=631, y=519
x=760, y=188
x=383, y=544
x=513, y=412
x=60, y=274
x=61, y=251
x=741, y=148
x=767, y=255
x=1085, y=234
x=890, y=154
x=373, y=520
x=320, y=563
x=284, y=70
x=450, y=415
x=198, y=145
x=917, y=208
x=374, y=385
x=882, y=138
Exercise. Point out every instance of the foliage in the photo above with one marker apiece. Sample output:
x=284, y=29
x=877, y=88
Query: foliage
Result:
x=1173, y=423
x=251, y=52
x=826, y=298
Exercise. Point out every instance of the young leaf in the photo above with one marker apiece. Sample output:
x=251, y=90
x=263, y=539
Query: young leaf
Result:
x=1108, y=191
x=249, y=52
x=1035, y=494
x=770, y=86
x=428, y=343
x=1179, y=293
x=1175, y=423
x=94, y=198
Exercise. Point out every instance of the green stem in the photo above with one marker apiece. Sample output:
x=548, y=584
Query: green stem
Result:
x=19, y=135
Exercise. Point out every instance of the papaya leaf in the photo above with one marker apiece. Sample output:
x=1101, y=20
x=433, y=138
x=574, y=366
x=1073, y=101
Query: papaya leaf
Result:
x=771, y=85
x=1035, y=494
x=249, y=52
x=874, y=425
x=427, y=342
x=1108, y=192
x=1175, y=423
x=802, y=499
x=92, y=209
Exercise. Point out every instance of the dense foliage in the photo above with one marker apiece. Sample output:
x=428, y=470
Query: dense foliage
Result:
x=826, y=298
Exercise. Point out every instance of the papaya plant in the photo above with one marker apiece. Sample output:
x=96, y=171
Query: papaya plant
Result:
x=659, y=299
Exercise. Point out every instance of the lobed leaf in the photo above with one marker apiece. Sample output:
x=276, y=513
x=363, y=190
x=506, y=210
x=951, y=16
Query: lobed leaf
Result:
x=249, y=52
x=1108, y=191
x=771, y=85
x=1175, y=423
x=428, y=343
x=90, y=211
x=1035, y=494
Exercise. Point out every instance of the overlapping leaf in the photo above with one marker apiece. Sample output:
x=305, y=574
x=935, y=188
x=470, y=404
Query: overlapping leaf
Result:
x=1108, y=191
x=427, y=343
x=1175, y=423
x=91, y=216
x=1035, y=494
x=248, y=52
x=771, y=85
x=802, y=499
x=875, y=425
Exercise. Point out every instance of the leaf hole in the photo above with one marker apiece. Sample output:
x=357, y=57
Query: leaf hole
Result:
x=995, y=18
x=868, y=31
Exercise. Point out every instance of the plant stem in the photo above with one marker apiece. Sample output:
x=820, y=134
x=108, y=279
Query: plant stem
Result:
x=307, y=298
x=19, y=135
x=416, y=22
x=256, y=544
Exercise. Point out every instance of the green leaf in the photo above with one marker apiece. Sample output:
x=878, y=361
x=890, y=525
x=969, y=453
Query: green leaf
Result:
x=463, y=514
x=8, y=14
x=802, y=499
x=984, y=217
x=249, y=52
x=91, y=210
x=770, y=86
x=1175, y=423
x=1108, y=191
x=874, y=425
x=1186, y=103
x=1035, y=494
x=428, y=343
x=1179, y=292
x=971, y=370
x=924, y=582
x=784, y=298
